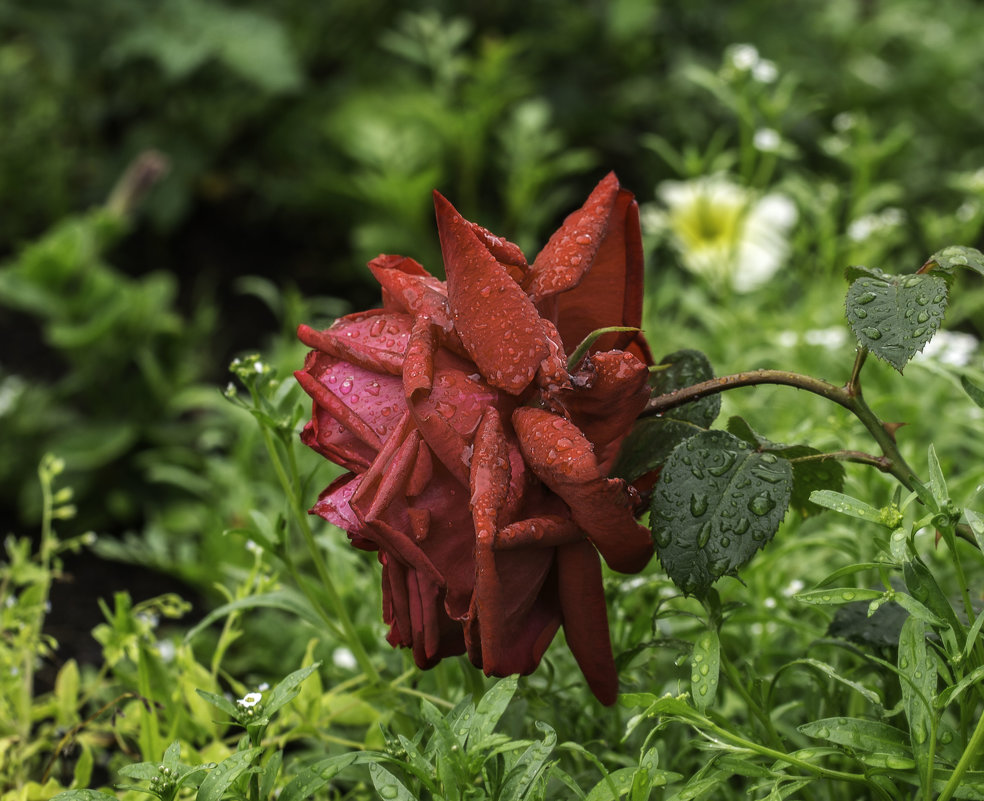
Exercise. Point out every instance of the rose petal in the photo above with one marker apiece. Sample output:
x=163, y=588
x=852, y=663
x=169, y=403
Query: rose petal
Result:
x=561, y=265
x=410, y=288
x=374, y=340
x=612, y=390
x=498, y=324
x=582, y=601
x=562, y=458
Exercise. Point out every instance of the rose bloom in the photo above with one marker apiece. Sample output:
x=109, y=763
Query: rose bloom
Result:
x=477, y=461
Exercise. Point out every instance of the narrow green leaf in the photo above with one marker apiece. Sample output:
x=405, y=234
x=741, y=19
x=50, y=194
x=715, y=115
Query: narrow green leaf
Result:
x=920, y=581
x=717, y=502
x=387, y=785
x=286, y=689
x=847, y=505
x=833, y=596
x=221, y=702
x=271, y=771
x=313, y=778
x=828, y=670
x=894, y=316
x=143, y=771
x=278, y=599
x=975, y=392
x=918, y=684
x=621, y=779
x=489, y=710
x=528, y=767
x=976, y=523
x=221, y=777
x=877, y=743
x=937, y=482
x=705, y=667
x=83, y=795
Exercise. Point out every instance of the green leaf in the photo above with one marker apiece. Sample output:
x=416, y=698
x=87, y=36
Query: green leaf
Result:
x=489, y=710
x=278, y=599
x=524, y=773
x=313, y=778
x=717, y=502
x=878, y=744
x=975, y=392
x=83, y=795
x=220, y=701
x=809, y=474
x=653, y=438
x=838, y=595
x=221, y=777
x=918, y=684
x=286, y=690
x=705, y=667
x=948, y=260
x=894, y=316
x=847, y=505
x=976, y=523
x=828, y=670
x=923, y=586
x=387, y=785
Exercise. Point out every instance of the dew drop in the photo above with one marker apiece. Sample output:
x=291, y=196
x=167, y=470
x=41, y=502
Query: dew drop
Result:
x=485, y=291
x=847, y=595
x=373, y=389
x=583, y=239
x=922, y=317
x=346, y=386
x=761, y=504
x=922, y=300
x=938, y=299
x=445, y=409
x=704, y=535
x=823, y=732
x=860, y=313
x=662, y=537
x=741, y=526
x=389, y=791
x=867, y=297
x=871, y=333
x=564, y=443
x=378, y=327
x=698, y=504
x=725, y=542
x=703, y=670
x=728, y=458
x=911, y=282
x=575, y=260
x=702, y=689
x=919, y=332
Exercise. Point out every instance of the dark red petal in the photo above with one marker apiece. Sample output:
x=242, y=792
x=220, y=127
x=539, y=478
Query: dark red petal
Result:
x=572, y=249
x=562, y=458
x=410, y=288
x=498, y=324
x=582, y=602
x=611, y=391
x=374, y=340
x=611, y=291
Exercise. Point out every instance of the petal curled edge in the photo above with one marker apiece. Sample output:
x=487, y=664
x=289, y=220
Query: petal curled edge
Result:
x=611, y=290
x=563, y=459
x=572, y=248
x=495, y=319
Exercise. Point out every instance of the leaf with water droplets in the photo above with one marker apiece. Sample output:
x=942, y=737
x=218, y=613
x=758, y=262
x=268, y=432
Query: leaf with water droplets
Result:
x=917, y=680
x=705, y=667
x=947, y=261
x=809, y=472
x=717, y=502
x=653, y=438
x=876, y=743
x=894, y=316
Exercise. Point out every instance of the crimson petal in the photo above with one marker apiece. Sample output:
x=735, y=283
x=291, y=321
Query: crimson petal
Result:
x=498, y=324
x=562, y=458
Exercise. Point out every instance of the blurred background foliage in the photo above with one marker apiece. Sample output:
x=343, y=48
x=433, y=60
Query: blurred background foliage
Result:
x=302, y=139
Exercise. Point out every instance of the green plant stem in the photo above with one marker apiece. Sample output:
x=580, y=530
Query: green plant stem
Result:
x=338, y=607
x=848, y=396
x=753, y=706
x=968, y=758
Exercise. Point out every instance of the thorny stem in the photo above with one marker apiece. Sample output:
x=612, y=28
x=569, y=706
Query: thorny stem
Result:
x=849, y=396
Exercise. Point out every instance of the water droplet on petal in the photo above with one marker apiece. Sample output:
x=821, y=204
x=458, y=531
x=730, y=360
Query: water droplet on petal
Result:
x=346, y=386
x=583, y=239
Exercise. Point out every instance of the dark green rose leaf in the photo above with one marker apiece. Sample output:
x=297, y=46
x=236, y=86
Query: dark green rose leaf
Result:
x=856, y=271
x=948, y=260
x=808, y=475
x=975, y=392
x=717, y=502
x=653, y=438
x=894, y=316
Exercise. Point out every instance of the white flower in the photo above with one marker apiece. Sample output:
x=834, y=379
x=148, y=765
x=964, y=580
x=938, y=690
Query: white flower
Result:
x=765, y=71
x=250, y=700
x=726, y=233
x=826, y=337
x=344, y=658
x=767, y=140
x=863, y=227
x=743, y=57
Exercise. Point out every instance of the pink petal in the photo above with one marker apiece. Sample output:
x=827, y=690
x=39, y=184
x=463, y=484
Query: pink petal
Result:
x=374, y=340
x=498, y=324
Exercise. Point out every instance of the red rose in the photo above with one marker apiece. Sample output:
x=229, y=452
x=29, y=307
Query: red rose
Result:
x=477, y=461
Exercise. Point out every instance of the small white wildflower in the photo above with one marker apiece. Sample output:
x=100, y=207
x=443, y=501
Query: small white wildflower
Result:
x=10, y=601
x=344, y=658
x=826, y=337
x=252, y=547
x=787, y=339
x=166, y=650
x=634, y=583
x=148, y=618
x=264, y=686
x=845, y=121
x=250, y=700
x=743, y=57
x=769, y=603
x=956, y=348
x=863, y=227
x=767, y=140
x=259, y=367
x=89, y=538
x=765, y=71
x=793, y=587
